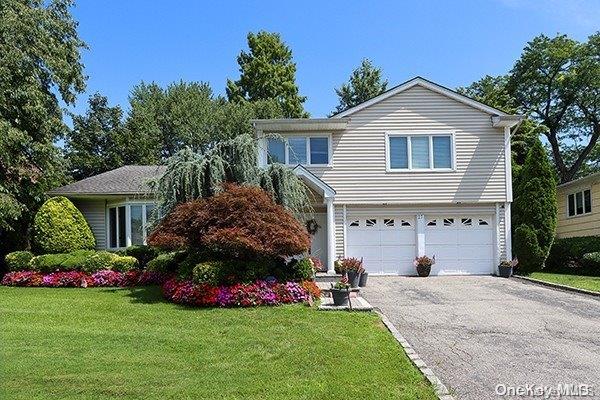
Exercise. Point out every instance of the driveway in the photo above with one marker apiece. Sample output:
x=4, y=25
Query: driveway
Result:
x=477, y=332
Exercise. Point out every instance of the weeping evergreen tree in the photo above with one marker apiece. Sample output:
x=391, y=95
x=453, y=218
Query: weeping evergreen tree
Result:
x=190, y=175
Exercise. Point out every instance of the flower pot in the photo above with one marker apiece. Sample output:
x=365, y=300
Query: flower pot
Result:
x=363, y=279
x=504, y=272
x=340, y=297
x=423, y=270
x=353, y=278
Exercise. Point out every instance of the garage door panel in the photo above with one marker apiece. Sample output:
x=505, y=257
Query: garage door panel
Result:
x=365, y=252
x=469, y=252
x=476, y=236
x=441, y=236
x=364, y=236
x=397, y=252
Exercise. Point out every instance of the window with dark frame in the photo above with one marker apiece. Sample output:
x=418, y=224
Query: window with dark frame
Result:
x=579, y=203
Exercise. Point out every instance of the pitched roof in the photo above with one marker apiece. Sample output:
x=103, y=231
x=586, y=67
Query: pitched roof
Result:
x=428, y=85
x=127, y=180
x=585, y=179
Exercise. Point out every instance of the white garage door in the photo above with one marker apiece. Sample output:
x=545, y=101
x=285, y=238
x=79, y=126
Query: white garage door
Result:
x=386, y=244
x=461, y=244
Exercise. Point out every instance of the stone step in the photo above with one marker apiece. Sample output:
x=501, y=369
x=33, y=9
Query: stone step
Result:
x=356, y=304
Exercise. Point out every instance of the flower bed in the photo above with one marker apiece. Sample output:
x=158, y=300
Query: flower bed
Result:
x=102, y=278
x=259, y=293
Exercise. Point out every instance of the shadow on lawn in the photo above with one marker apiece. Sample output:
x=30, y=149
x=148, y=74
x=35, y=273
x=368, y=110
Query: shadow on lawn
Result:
x=142, y=294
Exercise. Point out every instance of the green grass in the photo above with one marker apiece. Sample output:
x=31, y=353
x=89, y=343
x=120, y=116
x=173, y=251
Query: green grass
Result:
x=129, y=344
x=577, y=281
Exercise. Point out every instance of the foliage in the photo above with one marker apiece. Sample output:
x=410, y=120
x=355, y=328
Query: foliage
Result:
x=104, y=277
x=592, y=260
x=48, y=262
x=75, y=260
x=190, y=176
x=142, y=253
x=95, y=144
x=535, y=212
x=424, y=261
x=557, y=82
x=569, y=252
x=125, y=263
x=23, y=278
x=301, y=270
x=88, y=261
x=166, y=262
x=18, y=260
x=39, y=66
x=365, y=83
x=352, y=264
x=240, y=222
x=267, y=72
x=59, y=227
x=317, y=264
x=259, y=293
x=206, y=272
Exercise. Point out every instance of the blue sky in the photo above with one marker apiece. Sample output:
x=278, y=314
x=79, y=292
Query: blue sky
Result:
x=450, y=42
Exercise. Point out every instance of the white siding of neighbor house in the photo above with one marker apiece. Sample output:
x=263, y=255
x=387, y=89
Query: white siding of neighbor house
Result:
x=358, y=171
x=95, y=214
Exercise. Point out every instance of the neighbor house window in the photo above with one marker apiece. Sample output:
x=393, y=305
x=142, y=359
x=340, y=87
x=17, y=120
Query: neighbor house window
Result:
x=129, y=224
x=580, y=203
x=306, y=150
x=419, y=152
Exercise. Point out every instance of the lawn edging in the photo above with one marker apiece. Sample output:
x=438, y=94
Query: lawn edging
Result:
x=557, y=285
x=440, y=389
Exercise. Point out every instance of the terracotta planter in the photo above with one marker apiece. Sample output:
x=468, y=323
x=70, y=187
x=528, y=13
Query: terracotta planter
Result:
x=423, y=270
x=340, y=297
x=504, y=272
x=353, y=278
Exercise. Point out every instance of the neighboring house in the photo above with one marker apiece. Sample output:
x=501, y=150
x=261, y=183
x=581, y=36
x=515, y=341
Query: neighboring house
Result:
x=579, y=207
x=417, y=170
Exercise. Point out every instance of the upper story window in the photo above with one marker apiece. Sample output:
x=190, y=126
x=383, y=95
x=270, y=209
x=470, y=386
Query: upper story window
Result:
x=306, y=150
x=579, y=203
x=419, y=152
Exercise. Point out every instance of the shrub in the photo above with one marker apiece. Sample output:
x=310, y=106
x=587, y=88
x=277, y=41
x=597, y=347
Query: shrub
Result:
x=76, y=259
x=142, y=253
x=99, y=261
x=207, y=272
x=125, y=263
x=59, y=227
x=569, y=251
x=22, y=278
x=592, y=260
x=18, y=260
x=48, y=262
x=534, y=211
x=241, y=222
x=166, y=262
x=301, y=270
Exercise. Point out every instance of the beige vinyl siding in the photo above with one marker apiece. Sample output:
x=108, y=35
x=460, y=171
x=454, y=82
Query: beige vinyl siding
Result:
x=95, y=214
x=358, y=172
x=582, y=225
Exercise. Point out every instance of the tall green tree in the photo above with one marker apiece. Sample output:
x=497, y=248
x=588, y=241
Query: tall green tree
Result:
x=365, y=83
x=95, y=144
x=535, y=212
x=163, y=121
x=40, y=65
x=557, y=82
x=267, y=71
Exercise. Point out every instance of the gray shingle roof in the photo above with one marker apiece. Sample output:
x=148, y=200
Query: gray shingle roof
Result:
x=127, y=180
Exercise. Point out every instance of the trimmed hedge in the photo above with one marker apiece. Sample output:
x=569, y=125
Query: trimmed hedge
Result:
x=59, y=227
x=88, y=261
x=592, y=260
x=125, y=264
x=143, y=254
x=18, y=260
x=568, y=251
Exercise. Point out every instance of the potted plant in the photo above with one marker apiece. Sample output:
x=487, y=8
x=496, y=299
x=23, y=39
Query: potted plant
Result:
x=363, y=279
x=505, y=268
x=338, y=266
x=340, y=292
x=316, y=263
x=354, y=268
x=423, y=265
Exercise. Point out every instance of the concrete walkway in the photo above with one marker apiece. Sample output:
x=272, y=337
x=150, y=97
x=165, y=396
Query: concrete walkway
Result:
x=478, y=332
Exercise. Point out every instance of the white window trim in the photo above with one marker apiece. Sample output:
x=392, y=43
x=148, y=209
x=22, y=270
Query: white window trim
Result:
x=127, y=204
x=328, y=136
x=583, y=198
x=430, y=134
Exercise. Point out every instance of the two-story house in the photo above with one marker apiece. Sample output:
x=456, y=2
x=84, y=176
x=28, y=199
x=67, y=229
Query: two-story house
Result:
x=417, y=170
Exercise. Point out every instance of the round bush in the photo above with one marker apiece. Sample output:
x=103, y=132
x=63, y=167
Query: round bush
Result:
x=18, y=260
x=48, y=262
x=166, y=262
x=125, y=263
x=100, y=260
x=206, y=272
x=59, y=227
x=142, y=253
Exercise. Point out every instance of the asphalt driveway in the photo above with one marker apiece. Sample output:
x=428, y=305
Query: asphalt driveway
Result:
x=478, y=332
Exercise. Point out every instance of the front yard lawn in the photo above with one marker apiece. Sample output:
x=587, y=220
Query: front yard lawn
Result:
x=578, y=281
x=129, y=344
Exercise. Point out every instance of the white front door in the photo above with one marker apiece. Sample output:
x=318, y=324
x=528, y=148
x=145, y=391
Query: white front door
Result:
x=386, y=244
x=462, y=244
x=318, y=245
